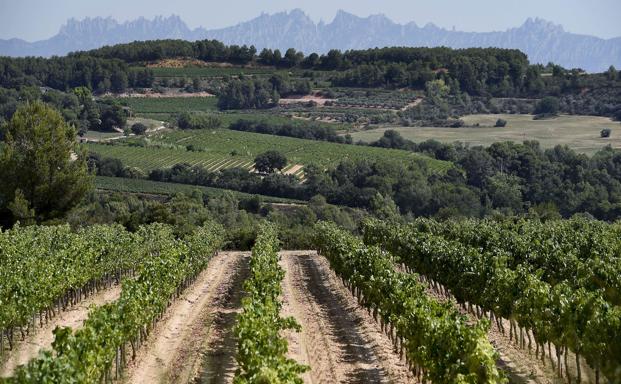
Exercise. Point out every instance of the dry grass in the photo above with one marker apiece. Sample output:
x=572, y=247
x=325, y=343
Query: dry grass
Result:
x=582, y=133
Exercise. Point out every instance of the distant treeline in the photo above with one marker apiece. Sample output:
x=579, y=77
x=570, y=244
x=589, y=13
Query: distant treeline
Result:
x=65, y=73
x=311, y=131
x=476, y=71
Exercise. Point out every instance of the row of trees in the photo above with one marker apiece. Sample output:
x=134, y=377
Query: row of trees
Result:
x=64, y=73
x=260, y=93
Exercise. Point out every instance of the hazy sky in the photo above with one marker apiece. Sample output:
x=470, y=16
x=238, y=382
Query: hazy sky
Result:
x=40, y=19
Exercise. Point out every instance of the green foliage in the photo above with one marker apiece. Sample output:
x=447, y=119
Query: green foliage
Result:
x=216, y=146
x=500, y=123
x=47, y=264
x=248, y=93
x=270, y=161
x=547, y=106
x=169, y=105
x=139, y=129
x=557, y=279
x=36, y=159
x=434, y=336
x=168, y=266
x=261, y=350
x=186, y=120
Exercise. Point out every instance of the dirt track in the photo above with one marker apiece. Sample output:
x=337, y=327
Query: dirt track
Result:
x=339, y=340
x=43, y=337
x=192, y=327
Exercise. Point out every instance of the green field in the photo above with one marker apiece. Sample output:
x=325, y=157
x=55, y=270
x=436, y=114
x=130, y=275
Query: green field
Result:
x=225, y=148
x=582, y=133
x=119, y=184
x=144, y=106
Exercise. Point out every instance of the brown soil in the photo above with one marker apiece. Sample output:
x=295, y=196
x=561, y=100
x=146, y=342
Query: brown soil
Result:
x=339, y=340
x=218, y=365
x=43, y=337
x=174, y=349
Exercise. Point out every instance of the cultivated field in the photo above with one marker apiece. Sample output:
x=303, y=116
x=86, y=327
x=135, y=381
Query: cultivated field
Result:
x=223, y=148
x=149, y=187
x=170, y=105
x=582, y=133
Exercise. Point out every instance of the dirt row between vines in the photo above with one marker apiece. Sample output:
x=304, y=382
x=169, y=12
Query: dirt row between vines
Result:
x=193, y=342
x=43, y=337
x=339, y=340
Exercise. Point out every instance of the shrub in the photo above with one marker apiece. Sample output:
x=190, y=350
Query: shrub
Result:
x=547, y=106
x=605, y=132
x=139, y=128
x=500, y=123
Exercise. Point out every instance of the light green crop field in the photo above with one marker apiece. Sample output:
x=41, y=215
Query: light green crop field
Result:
x=119, y=184
x=582, y=133
x=223, y=148
x=170, y=105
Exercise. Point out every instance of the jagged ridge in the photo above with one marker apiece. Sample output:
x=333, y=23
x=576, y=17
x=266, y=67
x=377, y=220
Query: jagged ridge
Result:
x=541, y=40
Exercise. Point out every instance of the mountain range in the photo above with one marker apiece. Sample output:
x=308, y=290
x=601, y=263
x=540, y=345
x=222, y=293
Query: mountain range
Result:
x=541, y=40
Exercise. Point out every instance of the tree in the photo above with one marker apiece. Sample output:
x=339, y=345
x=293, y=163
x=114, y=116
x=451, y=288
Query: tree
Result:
x=547, y=106
x=43, y=171
x=501, y=123
x=113, y=116
x=139, y=129
x=612, y=73
x=118, y=81
x=270, y=161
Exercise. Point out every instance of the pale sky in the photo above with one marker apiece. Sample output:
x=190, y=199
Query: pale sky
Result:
x=40, y=19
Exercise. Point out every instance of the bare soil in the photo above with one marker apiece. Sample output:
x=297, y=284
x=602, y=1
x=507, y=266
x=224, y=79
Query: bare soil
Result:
x=43, y=337
x=339, y=340
x=174, y=352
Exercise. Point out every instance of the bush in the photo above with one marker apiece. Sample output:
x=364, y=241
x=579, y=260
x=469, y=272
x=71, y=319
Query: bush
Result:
x=547, y=106
x=605, y=132
x=501, y=123
x=187, y=120
x=139, y=129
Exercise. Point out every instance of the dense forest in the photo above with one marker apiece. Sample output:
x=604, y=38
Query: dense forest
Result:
x=477, y=72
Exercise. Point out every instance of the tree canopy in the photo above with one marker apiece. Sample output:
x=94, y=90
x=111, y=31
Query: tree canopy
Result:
x=270, y=161
x=43, y=171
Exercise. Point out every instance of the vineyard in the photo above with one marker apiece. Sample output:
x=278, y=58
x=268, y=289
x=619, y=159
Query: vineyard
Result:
x=221, y=149
x=426, y=301
x=169, y=105
x=141, y=186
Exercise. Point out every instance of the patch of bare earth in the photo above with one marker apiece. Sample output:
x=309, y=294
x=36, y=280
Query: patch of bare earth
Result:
x=218, y=360
x=175, y=349
x=43, y=337
x=340, y=341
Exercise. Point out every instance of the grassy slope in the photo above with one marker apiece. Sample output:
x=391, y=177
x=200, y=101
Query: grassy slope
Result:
x=578, y=132
x=232, y=147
